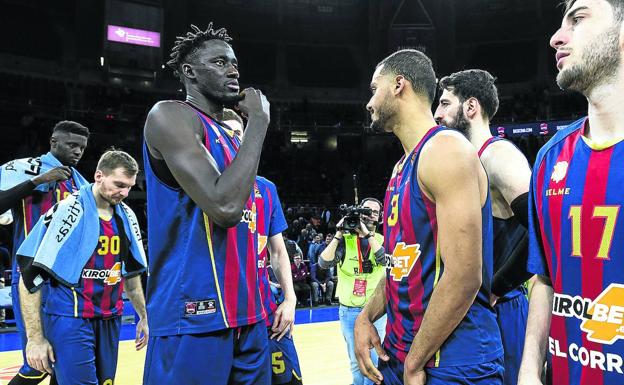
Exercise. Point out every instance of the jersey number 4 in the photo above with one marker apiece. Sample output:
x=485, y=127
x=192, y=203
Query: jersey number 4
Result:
x=609, y=213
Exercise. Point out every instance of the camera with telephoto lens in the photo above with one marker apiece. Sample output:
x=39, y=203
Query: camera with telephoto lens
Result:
x=351, y=216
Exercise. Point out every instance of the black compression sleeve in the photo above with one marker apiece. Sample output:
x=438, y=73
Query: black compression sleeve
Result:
x=520, y=208
x=9, y=198
x=513, y=272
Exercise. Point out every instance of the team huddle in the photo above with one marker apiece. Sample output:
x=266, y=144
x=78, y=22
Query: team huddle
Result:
x=496, y=273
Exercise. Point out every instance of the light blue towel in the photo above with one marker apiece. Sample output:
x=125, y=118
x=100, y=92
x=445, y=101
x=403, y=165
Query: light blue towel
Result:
x=64, y=239
x=21, y=170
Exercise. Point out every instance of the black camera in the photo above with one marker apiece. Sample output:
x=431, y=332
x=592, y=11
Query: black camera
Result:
x=351, y=216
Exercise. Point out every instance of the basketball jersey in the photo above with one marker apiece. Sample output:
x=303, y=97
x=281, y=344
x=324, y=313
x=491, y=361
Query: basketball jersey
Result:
x=508, y=233
x=27, y=213
x=271, y=222
x=410, y=229
x=203, y=277
x=576, y=238
x=99, y=291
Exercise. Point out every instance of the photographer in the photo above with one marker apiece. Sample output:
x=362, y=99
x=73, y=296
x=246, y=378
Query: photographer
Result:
x=357, y=252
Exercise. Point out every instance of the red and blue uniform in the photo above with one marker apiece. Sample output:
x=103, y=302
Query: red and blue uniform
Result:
x=25, y=216
x=410, y=233
x=203, y=282
x=511, y=309
x=576, y=239
x=271, y=222
x=83, y=323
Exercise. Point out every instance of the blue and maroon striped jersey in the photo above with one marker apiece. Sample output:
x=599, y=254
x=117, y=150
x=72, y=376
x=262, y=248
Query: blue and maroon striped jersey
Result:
x=26, y=215
x=203, y=277
x=410, y=234
x=99, y=293
x=576, y=239
x=271, y=221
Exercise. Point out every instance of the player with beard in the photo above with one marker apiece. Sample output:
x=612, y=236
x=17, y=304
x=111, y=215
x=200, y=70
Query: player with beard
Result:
x=89, y=247
x=437, y=226
x=576, y=229
x=204, y=304
x=469, y=100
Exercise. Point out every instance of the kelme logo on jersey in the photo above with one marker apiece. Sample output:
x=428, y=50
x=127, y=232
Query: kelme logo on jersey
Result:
x=111, y=276
x=403, y=259
x=559, y=171
x=249, y=217
x=606, y=324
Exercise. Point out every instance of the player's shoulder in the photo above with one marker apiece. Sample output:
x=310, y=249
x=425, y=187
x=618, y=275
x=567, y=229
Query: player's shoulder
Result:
x=167, y=110
x=558, y=139
x=448, y=143
x=264, y=181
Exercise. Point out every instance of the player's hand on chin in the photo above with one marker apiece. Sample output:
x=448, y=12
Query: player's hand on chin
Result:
x=284, y=318
x=39, y=354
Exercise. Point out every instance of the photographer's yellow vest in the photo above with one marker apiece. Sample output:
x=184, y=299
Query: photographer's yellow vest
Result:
x=348, y=273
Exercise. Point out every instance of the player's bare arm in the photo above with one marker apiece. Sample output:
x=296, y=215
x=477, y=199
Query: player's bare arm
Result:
x=538, y=327
x=39, y=352
x=451, y=174
x=134, y=291
x=366, y=336
x=11, y=197
x=174, y=134
x=285, y=313
x=508, y=170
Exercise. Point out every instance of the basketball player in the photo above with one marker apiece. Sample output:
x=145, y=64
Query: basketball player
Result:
x=30, y=187
x=437, y=224
x=279, y=322
x=89, y=245
x=271, y=224
x=576, y=229
x=204, y=304
x=469, y=100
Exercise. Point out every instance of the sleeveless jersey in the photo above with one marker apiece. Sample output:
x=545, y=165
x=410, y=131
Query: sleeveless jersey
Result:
x=410, y=227
x=203, y=277
x=508, y=233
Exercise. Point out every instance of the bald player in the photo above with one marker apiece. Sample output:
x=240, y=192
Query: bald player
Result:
x=469, y=100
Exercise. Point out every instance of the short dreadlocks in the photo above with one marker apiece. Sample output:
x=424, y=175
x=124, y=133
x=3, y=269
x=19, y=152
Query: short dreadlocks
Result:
x=186, y=46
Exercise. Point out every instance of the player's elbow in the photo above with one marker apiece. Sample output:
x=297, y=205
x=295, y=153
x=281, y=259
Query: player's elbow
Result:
x=227, y=216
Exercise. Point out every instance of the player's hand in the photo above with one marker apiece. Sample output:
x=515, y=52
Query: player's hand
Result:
x=414, y=377
x=142, y=334
x=255, y=104
x=366, y=337
x=284, y=318
x=57, y=174
x=39, y=354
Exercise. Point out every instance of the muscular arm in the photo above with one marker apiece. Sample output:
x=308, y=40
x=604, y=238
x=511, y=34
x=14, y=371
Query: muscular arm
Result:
x=174, y=134
x=508, y=170
x=281, y=266
x=31, y=311
x=285, y=313
x=11, y=197
x=538, y=326
x=134, y=291
x=375, y=308
x=458, y=189
x=510, y=174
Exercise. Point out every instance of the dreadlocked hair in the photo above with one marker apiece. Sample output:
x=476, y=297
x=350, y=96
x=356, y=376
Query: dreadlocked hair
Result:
x=187, y=45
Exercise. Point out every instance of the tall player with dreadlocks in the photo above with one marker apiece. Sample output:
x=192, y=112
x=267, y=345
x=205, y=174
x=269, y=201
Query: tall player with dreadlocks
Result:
x=204, y=307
